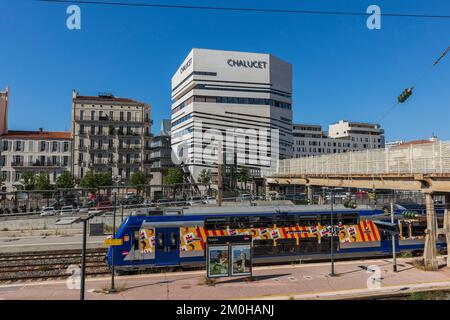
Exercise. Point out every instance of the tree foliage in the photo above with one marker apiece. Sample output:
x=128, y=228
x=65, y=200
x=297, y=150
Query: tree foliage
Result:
x=43, y=181
x=174, y=176
x=65, y=180
x=139, y=178
x=28, y=180
x=92, y=180
x=204, y=177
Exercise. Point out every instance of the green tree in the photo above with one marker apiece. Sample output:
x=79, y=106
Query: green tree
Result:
x=243, y=176
x=104, y=179
x=65, y=180
x=174, y=176
x=205, y=178
x=28, y=180
x=92, y=180
x=43, y=181
x=139, y=178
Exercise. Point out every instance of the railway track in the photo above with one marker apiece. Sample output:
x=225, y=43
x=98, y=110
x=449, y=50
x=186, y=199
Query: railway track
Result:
x=50, y=265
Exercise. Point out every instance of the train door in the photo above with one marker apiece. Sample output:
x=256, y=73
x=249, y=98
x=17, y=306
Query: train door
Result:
x=167, y=246
x=137, y=246
x=386, y=242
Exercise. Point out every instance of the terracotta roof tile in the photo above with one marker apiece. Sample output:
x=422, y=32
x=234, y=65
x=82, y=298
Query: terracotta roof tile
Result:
x=37, y=134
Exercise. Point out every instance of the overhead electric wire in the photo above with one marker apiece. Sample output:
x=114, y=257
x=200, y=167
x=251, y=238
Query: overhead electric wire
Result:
x=246, y=9
x=391, y=108
x=421, y=78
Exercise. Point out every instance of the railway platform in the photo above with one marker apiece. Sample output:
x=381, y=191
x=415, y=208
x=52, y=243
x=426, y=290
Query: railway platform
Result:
x=355, y=280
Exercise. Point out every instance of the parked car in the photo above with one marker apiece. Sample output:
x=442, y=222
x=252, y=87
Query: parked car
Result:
x=210, y=200
x=193, y=201
x=132, y=200
x=48, y=211
x=244, y=196
x=162, y=202
x=83, y=209
x=104, y=206
x=68, y=210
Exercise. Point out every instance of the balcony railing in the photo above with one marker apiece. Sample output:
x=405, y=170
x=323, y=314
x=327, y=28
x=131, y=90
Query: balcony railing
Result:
x=129, y=148
x=113, y=119
x=128, y=163
x=101, y=163
x=39, y=164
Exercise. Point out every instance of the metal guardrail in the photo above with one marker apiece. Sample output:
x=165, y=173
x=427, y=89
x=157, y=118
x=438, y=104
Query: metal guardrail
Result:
x=427, y=158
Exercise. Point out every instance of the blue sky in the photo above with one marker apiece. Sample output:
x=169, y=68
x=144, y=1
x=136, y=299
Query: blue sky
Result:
x=342, y=70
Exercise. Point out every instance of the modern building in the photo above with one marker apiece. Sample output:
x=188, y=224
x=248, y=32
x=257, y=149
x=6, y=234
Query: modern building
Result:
x=160, y=158
x=343, y=136
x=240, y=99
x=110, y=134
x=34, y=151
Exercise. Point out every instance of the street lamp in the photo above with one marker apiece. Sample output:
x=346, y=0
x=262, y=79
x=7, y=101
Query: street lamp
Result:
x=332, y=273
x=115, y=179
x=84, y=220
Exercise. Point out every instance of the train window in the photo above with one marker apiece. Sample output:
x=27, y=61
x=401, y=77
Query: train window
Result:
x=263, y=248
x=418, y=230
x=325, y=219
x=405, y=230
x=286, y=246
x=160, y=240
x=306, y=221
x=136, y=240
x=216, y=223
x=239, y=223
x=308, y=245
x=262, y=222
x=173, y=240
x=348, y=218
x=325, y=244
x=440, y=221
x=285, y=220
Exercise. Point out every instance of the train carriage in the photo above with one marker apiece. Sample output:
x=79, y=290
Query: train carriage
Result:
x=177, y=237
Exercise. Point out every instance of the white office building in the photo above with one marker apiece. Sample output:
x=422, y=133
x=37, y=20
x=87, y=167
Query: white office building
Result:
x=343, y=136
x=240, y=99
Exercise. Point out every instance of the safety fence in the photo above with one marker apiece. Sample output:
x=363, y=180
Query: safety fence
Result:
x=425, y=158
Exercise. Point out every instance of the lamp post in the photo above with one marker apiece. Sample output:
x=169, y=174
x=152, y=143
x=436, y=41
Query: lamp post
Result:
x=394, y=254
x=84, y=220
x=116, y=179
x=332, y=273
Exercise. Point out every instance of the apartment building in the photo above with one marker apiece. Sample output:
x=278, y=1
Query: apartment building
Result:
x=110, y=134
x=343, y=136
x=33, y=151
x=160, y=157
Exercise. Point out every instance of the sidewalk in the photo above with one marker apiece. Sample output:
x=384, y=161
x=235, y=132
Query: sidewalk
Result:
x=307, y=281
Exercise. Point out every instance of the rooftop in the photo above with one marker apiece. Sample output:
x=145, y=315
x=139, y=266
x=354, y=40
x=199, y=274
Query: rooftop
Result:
x=106, y=97
x=37, y=135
